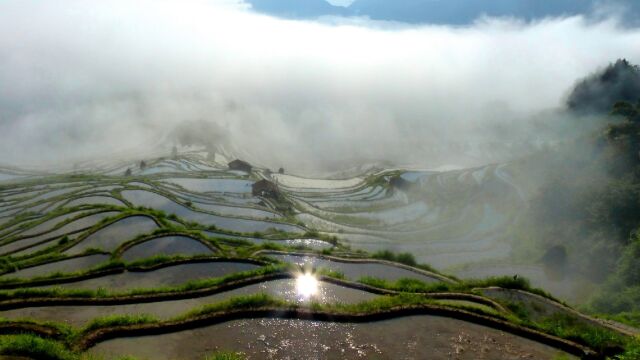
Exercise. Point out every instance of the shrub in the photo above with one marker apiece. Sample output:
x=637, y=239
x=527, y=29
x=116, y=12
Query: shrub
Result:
x=225, y=355
x=34, y=347
x=64, y=240
x=404, y=258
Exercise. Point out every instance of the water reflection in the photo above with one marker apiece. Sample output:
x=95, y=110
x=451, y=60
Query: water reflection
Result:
x=306, y=285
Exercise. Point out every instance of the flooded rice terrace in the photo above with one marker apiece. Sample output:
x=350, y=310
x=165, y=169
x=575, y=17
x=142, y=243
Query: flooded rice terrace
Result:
x=421, y=337
x=182, y=258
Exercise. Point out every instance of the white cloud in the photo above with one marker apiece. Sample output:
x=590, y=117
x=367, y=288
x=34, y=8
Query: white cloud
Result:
x=88, y=77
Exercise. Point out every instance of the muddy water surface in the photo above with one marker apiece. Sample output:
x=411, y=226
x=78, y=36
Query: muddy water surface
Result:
x=416, y=337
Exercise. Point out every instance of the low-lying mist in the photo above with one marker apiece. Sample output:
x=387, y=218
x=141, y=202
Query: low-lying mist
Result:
x=89, y=79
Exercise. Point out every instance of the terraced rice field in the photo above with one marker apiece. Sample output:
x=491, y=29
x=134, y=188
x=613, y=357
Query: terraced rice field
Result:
x=180, y=259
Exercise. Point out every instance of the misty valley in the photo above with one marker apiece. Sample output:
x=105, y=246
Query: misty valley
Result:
x=344, y=179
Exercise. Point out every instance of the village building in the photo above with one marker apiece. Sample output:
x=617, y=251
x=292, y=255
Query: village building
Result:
x=265, y=188
x=399, y=183
x=240, y=165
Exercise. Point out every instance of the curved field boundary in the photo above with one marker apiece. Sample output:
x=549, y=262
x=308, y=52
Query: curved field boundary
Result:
x=129, y=244
x=63, y=279
x=92, y=338
x=59, y=225
x=122, y=268
x=94, y=194
x=41, y=242
x=361, y=184
x=195, y=260
x=175, y=199
x=436, y=296
x=52, y=260
x=610, y=325
x=182, y=192
x=112, y=221
x=360, y=261
x=232, y=285
x=138, y=299
x=13, y=328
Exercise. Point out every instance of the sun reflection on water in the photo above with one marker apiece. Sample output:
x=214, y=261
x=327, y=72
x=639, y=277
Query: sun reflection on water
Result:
x=306, y=285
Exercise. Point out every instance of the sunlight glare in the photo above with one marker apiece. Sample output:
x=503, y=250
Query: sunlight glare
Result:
x=306, y=285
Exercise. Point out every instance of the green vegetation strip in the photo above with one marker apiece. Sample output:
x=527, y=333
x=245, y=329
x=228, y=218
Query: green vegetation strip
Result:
x=264, y=306
x=56, y=296
x=197, y=236
x=417, y=286
x=394, y=261
x=115, y=266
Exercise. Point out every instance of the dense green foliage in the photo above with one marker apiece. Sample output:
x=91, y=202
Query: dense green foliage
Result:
x=589, y=205
x=403, y=258
x=35, y=347
x=416, y=286
x=602, y=340
x=225, y=355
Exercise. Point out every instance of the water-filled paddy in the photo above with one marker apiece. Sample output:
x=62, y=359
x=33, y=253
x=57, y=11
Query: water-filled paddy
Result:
x=78, y=315
x=213, y=185
x=55, y=193
x=167, y=245
x=49, y=224
x=416, y=176
x=235, y=210
x=159, y=169
x=572, y=288
x=110, y=237
x=62, y=266
x=76, y=225
x=415, y=337
x=307, y=184
x=429, y=220
x=167, y=276
x=99, y=200
x=149, y=199
x=355, y=270
x=308, y=243
x=4, y=177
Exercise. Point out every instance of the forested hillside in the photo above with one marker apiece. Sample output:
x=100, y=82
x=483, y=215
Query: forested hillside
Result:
x=589, y=203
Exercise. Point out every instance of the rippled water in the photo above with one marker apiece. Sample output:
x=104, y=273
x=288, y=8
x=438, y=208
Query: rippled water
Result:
x=355, y=271
x=110, y=237
x=78, y=315
x=69, y=265
x=415, y=337
x=167, y=245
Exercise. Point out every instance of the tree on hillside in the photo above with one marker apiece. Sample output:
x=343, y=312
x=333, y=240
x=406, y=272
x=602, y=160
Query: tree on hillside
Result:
x=597, y=93
x=628, y=110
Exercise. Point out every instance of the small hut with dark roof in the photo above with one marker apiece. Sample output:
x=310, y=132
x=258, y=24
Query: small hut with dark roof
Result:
x=265, y=188
x=399, y=183
x=240, y=165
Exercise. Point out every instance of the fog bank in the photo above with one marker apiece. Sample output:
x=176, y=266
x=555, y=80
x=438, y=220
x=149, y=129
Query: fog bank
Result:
x=84, y=79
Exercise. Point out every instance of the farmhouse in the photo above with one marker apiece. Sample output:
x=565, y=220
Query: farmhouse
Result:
x=240, y=165
x=265, y=188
